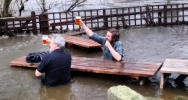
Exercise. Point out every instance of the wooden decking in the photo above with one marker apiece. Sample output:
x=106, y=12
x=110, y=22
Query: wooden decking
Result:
x=87, y=43
x=96, y=65
x=113, y=67
x=173, y=66
x=21, y=62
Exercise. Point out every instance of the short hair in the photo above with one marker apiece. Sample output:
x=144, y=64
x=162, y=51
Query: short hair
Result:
x=115, y=34
x=59, y=40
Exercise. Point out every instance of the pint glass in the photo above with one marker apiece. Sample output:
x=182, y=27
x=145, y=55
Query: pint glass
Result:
x=77, y=20
x=45, y=39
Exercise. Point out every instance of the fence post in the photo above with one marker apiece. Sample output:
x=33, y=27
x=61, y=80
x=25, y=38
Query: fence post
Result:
x=159, y=18
x=105, y=19
x=44, y=25
x=34, y=24
x=165, y=15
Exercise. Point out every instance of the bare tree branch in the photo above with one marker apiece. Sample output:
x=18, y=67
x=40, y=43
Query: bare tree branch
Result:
x=75, y=4
x=21, y=8
x=69, y=9
x=78, y=4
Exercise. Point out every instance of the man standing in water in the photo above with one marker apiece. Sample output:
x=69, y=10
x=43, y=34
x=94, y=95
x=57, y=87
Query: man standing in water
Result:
x=112, y=47
x=55, y=65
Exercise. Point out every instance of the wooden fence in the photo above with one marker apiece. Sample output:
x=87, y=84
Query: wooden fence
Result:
x=12, y=25
x=138, y=16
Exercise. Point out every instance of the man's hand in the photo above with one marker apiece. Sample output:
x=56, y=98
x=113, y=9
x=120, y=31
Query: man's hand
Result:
x=37, y=73
x=107, y=44
x=81, y=22
x=114, y=53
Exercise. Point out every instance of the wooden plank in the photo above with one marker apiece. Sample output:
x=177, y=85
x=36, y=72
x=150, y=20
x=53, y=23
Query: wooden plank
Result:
x=16, y=18
x=162, y=81
x=176, y=71
x=81, y=41
x=103, y=66
x=133, y=69
x=175, y=66
x=115, y=71
x=127, y=66
x=12, y=28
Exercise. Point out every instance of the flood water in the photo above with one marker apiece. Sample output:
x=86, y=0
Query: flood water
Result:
x=141, y=45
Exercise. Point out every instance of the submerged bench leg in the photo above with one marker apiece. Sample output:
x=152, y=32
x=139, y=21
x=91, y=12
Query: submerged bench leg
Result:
x=142, y=80
x=162, y=81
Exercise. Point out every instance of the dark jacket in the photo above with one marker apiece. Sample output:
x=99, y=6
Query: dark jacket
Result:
x=35, y=57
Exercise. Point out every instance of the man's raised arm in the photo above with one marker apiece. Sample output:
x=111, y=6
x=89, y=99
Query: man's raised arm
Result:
x=88, y=31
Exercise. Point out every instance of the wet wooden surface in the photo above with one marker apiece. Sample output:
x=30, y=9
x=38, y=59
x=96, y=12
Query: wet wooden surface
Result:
x=87, y=43
x=96, y=65
x=113, y=67
x=21, y=62
x=175, y=66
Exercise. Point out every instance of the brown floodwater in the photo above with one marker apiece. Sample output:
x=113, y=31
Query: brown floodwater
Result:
x=140, y=45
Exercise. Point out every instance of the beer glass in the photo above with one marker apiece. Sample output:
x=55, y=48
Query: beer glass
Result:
x=45, y=40
x=77, y=20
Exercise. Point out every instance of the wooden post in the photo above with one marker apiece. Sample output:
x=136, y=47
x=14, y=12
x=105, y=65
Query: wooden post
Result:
x=91, y=19
x=135, y=16
x=141, y=16
x=129, y=16
x=183, y=11
x=34, y=24
x=97, y=20
x=165, y=15
x=177, y=15
x=105, y=19
x=162, y=81
x=159, y=18
x=73, y=19
x=44, y=25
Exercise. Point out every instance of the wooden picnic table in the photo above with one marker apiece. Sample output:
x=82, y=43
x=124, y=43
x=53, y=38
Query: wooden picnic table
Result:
x=96, y=65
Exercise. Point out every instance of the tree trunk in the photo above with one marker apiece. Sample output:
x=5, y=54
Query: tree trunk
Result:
x=6, y=8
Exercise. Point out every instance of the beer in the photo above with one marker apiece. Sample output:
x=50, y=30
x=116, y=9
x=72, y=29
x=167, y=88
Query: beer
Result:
x=45, y=40
x=77, y=20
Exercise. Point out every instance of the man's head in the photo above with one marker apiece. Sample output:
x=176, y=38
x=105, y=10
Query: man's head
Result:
x=56, y=41
x=112, y=35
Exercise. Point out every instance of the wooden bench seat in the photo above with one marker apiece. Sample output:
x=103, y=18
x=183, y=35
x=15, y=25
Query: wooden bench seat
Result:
x=173, y=66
